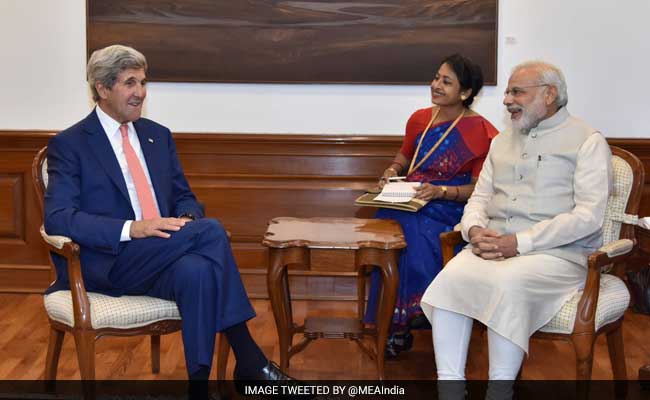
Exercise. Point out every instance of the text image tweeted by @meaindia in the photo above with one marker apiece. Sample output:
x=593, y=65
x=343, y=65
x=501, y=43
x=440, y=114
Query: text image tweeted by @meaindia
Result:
x=321, y=390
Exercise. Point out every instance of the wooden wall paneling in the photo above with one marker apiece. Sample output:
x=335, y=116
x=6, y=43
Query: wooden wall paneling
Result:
x=249, y=179
x=244, y=180
x=641, y=149
x=24, y=265
x=24, y=278
x=12, y=217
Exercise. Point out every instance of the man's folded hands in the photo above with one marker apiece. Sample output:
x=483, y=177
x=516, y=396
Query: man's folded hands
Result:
x=491, y=245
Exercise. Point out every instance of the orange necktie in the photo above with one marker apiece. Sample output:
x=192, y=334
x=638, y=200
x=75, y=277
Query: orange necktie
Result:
x=145, y=197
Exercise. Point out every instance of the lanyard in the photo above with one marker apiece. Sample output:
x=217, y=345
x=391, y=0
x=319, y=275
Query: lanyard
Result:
x=435, y=146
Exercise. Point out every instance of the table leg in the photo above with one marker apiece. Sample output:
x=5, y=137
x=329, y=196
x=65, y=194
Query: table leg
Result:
x=390, y=282
x=276, y=282
x=361, y=291
x=386, y=261
x=280, y=296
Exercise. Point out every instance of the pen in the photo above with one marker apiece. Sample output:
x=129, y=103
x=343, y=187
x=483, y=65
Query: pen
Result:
x=396, y=178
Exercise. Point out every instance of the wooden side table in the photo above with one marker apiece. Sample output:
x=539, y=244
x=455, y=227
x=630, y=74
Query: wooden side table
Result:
x=376, y=243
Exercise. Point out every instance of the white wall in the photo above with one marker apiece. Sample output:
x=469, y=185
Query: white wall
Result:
x=602, y=46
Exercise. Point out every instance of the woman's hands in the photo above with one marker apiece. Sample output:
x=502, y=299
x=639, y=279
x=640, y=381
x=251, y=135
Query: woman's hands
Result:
x=388, y=173
x=427, y=191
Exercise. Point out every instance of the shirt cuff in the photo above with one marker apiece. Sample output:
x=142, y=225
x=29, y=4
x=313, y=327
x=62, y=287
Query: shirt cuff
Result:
x=126, y=230
x=467, y=225
x=524, y=243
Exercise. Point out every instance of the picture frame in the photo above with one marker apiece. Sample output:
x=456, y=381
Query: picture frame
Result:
x=313, y=41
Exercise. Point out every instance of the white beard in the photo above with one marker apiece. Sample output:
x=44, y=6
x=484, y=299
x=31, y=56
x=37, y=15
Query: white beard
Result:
x=531, y=115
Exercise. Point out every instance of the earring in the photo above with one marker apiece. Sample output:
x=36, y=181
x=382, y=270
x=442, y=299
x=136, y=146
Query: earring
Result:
x=463, y=98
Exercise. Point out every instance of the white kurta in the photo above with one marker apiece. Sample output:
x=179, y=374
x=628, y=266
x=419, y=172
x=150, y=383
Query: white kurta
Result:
x=514, y=297
x=550, y=189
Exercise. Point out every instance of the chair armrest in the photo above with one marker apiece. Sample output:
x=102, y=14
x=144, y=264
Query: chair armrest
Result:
x=62, y=245
x=56, y=241
x=616, y=248
x=613, y=252
x=449, y=240
x=70, y=250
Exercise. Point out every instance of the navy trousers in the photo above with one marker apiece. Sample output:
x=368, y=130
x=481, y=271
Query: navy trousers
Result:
x=196, y=269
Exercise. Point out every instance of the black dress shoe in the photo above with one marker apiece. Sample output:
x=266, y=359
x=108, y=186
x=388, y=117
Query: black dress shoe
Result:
x=397, y=343
x=420, y=322
x=271, y=372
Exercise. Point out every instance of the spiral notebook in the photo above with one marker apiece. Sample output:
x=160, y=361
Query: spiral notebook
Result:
x=395, y=195
x=397, y=192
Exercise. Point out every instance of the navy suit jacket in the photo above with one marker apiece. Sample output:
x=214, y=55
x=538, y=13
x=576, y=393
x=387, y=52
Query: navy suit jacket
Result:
x=87, y=199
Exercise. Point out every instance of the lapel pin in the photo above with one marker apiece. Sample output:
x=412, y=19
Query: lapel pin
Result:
x=150, y=140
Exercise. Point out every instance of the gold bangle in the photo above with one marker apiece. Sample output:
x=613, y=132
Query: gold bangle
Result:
x=457, y=193
x=444, y=192
x=392, y=169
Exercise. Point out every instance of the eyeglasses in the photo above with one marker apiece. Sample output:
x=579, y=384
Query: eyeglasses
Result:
x=519, y=90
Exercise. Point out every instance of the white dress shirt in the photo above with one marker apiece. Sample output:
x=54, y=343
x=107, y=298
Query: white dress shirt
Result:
x=112, y=130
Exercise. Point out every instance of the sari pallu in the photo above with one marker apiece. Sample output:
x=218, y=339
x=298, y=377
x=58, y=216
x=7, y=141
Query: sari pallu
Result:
x=453, y=163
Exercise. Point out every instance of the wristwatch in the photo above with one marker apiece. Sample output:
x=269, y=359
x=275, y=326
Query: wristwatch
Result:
x=444, y=192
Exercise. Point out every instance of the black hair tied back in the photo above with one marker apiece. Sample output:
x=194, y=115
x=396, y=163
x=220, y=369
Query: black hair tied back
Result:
x=469, y=75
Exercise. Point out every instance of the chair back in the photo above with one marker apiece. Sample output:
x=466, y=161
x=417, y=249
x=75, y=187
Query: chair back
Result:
x=39, y=177
x=621, y=214
x=623, y=204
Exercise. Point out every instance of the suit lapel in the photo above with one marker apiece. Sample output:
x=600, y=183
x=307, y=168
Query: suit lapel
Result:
x=103, y=152
x=151, y=153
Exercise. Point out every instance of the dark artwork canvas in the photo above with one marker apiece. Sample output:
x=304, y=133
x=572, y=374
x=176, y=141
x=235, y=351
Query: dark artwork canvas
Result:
x=363, y=41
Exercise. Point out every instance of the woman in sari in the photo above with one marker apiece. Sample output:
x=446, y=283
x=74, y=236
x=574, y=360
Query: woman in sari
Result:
x=444, y=149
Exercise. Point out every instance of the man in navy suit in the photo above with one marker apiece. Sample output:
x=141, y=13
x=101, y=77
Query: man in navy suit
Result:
x=117, y=188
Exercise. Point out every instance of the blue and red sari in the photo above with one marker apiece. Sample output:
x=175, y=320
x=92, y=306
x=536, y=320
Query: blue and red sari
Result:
x=456, y=160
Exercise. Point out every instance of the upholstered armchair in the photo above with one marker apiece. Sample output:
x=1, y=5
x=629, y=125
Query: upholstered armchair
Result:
x=89, y=316
x=599, y=308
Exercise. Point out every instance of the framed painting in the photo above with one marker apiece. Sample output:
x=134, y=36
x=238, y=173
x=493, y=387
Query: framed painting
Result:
x=309, y=41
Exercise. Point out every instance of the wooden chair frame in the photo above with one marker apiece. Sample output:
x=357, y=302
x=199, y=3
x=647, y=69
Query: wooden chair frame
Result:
x=82, y=331
x=584, y=334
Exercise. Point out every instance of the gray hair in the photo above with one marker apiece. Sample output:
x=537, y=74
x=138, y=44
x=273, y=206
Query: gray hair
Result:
x=550, y=75
x=106, y=64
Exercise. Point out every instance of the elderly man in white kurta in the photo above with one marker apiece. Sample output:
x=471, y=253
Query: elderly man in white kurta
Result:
x=535, y=215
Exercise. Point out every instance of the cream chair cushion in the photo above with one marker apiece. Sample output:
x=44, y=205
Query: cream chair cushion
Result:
x=612, y=303
x=115, y=312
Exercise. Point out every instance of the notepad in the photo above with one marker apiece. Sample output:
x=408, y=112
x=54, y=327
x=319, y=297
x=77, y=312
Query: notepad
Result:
x=397, y=192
